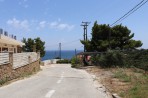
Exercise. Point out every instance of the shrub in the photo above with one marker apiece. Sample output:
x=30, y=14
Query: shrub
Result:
x=109, y=59
x=3, y=81
x=137, y=58
x=95, y=59
x=75, y=62
x=65, y=61
x=132, y=58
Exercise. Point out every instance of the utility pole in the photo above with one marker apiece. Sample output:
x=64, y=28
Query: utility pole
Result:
x=76, y=55
x=60, y=50
x=85, y=24
x=75, y=52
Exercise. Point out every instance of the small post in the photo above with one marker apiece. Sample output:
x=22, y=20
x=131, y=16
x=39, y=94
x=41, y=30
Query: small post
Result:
x=76, y=55
x=29, y=59
x=11, y=58
x=38, y=55
x=60, y=50
x=34, y=48
x=75, y=52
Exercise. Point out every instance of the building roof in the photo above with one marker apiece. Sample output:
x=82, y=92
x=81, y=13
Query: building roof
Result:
x=7, y=40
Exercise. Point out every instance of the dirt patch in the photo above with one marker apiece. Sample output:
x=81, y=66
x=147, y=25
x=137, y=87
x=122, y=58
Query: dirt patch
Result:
x=106, y=78
x=126, y=82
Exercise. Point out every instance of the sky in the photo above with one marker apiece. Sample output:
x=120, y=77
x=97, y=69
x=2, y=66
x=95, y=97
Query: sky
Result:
x=58, y=21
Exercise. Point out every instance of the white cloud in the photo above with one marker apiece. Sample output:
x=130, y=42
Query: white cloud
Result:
x=18, y=24
x=42, y=24
x=24, y=24
x=53, y=24
x=27, y=25
x=65, y=26
x=60, y=26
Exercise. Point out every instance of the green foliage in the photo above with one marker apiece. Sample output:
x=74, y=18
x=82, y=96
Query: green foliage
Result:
x=137, y=58
x=40, y=46
x=28, y=44
x=95, y=59
x=65, y=61
x=105, y=37
x=112, y=58
x=100, y=37
x=36, y=43
x=75, y=62
x=4, y=80
x=88, y=45
x=109, y=59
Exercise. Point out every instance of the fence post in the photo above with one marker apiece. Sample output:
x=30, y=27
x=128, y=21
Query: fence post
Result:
x=29, y=60
x=38, y=55
x=11, y=58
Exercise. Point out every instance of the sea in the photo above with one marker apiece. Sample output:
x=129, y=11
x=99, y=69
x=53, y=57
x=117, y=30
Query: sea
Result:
x=65, y=54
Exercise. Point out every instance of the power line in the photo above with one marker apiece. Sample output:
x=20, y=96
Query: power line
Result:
x=135, y=8
x=128, y=12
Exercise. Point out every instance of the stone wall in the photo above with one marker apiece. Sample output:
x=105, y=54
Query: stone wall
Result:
x=7, y=72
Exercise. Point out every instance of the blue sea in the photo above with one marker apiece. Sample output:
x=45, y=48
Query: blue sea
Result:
x=65, y=54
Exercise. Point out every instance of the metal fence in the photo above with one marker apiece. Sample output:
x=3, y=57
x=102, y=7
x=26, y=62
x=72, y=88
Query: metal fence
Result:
x=19, y=59
x=4, y=58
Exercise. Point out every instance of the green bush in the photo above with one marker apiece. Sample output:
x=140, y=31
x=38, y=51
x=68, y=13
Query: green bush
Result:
x=137, y=58
x=109, y=59
x=95, y=59
x=75, y=62
x=3, y=81
x=65, y=61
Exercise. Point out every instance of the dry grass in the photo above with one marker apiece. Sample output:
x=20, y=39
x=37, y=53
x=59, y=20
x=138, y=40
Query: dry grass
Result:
x=126, y=82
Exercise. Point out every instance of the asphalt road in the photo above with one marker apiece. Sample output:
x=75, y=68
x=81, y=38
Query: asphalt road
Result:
x=54, y=81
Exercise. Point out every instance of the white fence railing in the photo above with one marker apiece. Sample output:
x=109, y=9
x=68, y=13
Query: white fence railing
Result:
x=19, y=59
x=4, y=58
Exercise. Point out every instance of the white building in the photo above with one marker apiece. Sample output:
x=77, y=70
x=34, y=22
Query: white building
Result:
x=10, y=44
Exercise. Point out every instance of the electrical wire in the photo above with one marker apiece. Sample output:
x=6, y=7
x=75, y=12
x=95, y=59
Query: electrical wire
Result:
x=135, y=8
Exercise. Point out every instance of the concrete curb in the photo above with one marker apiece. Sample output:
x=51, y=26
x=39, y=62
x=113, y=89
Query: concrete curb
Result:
x=101, y=87
x=115, y=95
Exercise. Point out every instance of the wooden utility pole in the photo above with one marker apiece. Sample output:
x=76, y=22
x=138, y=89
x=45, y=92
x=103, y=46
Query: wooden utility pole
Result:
x=75, y=52
x=85, y=24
